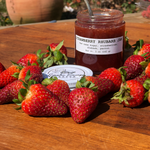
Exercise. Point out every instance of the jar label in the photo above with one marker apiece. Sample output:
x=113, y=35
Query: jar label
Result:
x=99, y=46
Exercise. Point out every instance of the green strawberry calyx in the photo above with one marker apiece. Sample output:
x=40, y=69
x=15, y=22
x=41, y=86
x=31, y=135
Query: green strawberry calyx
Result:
x=144, y=64
x=48, y=81
x=40, y=58
x=84, y=83
x=146, y=85
x=123, y=95
x=137, y=46
x=23, y=91
x=127, y=45
x=18, y=66
x=55, y=57
x=123, y=73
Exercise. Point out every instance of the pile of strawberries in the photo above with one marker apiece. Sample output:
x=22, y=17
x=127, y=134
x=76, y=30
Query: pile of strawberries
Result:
x=23, y=84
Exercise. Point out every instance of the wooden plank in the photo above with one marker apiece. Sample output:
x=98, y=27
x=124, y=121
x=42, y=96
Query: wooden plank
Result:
x=111, y=126
x=20, y=130
x=29, y=39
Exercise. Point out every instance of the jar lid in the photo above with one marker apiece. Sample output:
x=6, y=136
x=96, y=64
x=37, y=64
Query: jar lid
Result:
x=69, y=73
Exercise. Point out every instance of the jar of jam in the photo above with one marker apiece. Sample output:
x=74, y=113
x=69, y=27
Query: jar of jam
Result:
x=99, y=39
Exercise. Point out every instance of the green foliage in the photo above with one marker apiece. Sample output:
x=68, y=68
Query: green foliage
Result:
x=129, y=6
x=4, y=21
x=3, y=6
x=73, y=3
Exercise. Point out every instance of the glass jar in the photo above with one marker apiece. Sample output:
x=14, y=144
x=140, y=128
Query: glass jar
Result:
x=99, y=39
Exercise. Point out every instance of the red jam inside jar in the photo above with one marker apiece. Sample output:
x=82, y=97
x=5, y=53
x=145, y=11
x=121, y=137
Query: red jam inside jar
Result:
x=99, y=39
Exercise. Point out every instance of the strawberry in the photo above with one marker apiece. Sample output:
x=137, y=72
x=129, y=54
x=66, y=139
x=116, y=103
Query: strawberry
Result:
x=141, y=78
x=56, y=55
x=147, y=70
x=2, y=68
x=53, y=46
x=10, y=74
x=35, y=72
x=7, y=77
x=104, y=86
x=32, y=59
x=58, y=87
x=145, y=49
x=63, y=49
x=131, y=93
x=133, y=66
x=82, y=102
x=146, y=85
x=142, y=49
x=10, y=91
x=39, y=101
x=28, y=58
x=113, y=74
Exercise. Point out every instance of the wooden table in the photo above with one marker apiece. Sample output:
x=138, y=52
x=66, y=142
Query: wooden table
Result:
x=110, y=127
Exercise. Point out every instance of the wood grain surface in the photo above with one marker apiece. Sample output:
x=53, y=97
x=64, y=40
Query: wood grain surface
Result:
x=110, y=127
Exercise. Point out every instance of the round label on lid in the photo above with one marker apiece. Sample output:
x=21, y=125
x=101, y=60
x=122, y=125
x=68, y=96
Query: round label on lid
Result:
x=69, y=73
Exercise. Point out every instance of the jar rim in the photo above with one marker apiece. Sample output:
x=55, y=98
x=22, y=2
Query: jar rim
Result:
x=100, y=14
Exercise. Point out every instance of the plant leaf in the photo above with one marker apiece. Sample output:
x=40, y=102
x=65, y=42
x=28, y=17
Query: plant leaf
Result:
x=59, y=45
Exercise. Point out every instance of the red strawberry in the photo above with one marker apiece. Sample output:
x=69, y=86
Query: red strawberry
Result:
x=28, y=58
x=39, y=101
x=114, y=75
x=10, y=91
x=82, y=102
x=56, y=55
x=58, y=87
x=142, y=49
x=145, y=49
x=2, y=68
x=147, y=70
x=104, y=86
x=134, y=68
x=148, y=98
x=7, y=77
x=32, y=59
x=141, y=78
x=131, y=93
x=35, y=72
x=62, y=49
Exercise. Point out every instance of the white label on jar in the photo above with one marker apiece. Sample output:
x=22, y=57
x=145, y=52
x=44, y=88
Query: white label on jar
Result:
x=99, y=46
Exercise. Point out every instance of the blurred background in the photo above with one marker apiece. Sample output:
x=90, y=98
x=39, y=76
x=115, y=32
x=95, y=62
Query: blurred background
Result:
x=68, y=10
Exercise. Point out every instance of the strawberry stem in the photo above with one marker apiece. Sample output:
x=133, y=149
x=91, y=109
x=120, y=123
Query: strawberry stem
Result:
x=55, y=57
x=137, y=46
x=123, y=95
x=23, y=91
x=84, y=83
x=127, y=45
x=123, y=73
x=48, y=81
